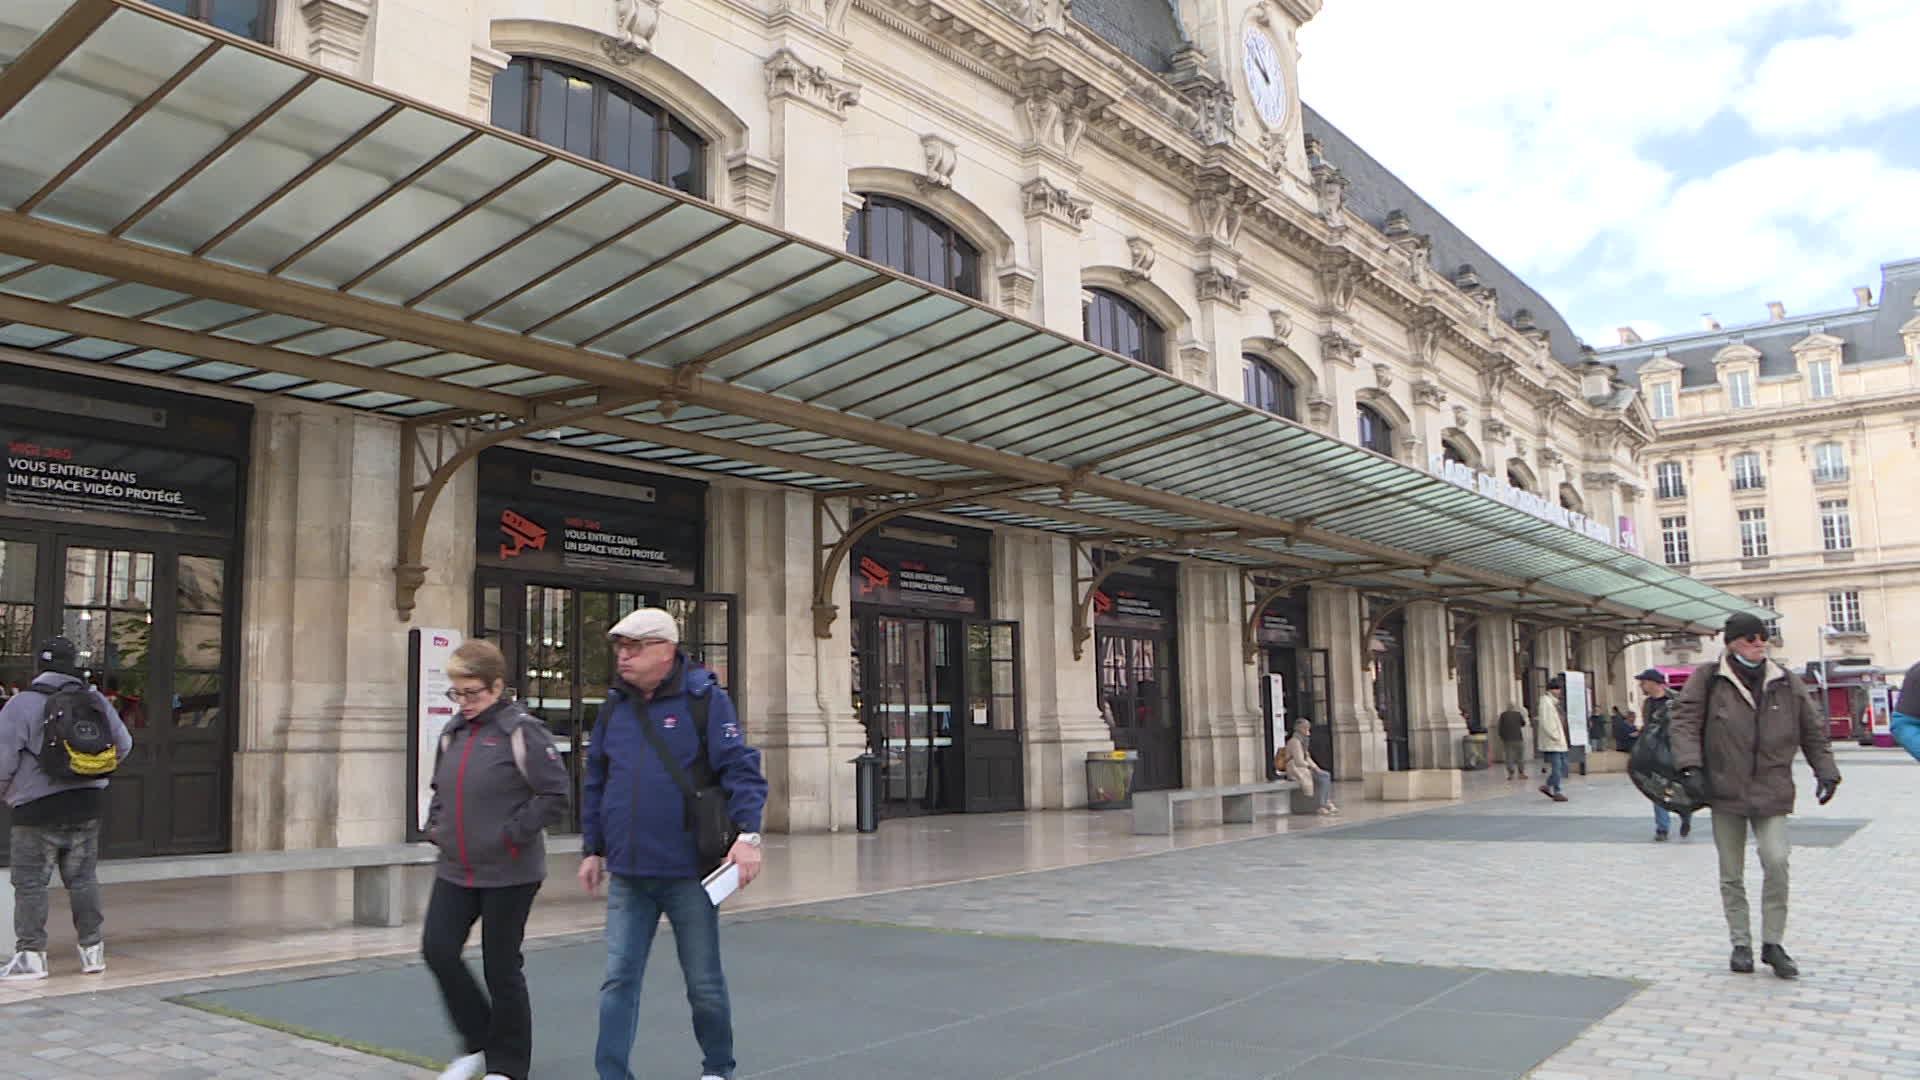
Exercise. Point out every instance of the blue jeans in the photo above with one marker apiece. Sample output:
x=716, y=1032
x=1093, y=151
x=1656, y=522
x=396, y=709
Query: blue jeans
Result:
x=1556, y=768
x=1663, y=819
x=634, y=907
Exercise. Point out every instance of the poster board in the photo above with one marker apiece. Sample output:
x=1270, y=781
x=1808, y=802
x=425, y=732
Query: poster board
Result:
x=1276, y=715
x=1880, y=701
x=428, y=712
x=1577, y=708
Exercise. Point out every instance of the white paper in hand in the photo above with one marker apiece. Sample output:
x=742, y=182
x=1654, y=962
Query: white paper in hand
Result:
x=722, y=883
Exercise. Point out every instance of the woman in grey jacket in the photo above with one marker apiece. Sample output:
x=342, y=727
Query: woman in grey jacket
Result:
x=498, y=783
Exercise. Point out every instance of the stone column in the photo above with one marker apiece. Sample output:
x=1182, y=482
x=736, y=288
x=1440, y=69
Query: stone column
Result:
x=1359, y=743
x=1033, y=583
x=1051, y=128
x=1433, y=699
x=807, y=103
x=796, y=689
x=323, y=693
x=1497, y=677
x=1219, y=693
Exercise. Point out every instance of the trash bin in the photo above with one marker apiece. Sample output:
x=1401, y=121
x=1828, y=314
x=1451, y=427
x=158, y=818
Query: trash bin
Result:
x=866, y=792
x=1473, y=753
x=1110, y=779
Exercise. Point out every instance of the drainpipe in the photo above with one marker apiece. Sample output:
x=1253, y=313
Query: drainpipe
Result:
x=1879, y=538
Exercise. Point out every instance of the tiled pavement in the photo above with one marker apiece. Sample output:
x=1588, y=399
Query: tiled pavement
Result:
x=1623, y=908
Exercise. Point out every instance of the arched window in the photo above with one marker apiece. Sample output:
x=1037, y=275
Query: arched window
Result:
x=1519, y=479
x=1266, y=388
x=1570, y=500
x=243, y=18
x=1450, y=451
x=906, y=238
x=1374, y=431
x=598, y=118
x=1116, y=323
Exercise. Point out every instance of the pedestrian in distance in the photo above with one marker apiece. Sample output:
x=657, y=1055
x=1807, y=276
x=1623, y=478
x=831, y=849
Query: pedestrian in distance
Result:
x=665, y=739
x=1513, y=742
x=1304, y=771
x=498, y=785
x=1659, y=710
x=1736, y=728
x=1550, y=737
x=60, y=742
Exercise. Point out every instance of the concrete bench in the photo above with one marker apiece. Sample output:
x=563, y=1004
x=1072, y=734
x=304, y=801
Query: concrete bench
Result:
x=1153, y=810
x=378, y=871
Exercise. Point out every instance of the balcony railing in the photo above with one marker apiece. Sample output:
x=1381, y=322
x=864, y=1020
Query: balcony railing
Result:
x=1749, y=483
x=1831, y=476
x=1671, y=491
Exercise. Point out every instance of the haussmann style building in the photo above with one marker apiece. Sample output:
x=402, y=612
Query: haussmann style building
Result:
x=983, y=385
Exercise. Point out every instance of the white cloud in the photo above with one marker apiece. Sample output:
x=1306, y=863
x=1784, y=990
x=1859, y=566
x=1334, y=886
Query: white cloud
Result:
x=1810, y=85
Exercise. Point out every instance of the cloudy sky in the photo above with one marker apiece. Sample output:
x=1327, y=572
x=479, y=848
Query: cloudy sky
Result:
x=1644, y=162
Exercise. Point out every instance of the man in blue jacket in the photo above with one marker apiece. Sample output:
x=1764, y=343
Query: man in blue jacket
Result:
x=635, y=834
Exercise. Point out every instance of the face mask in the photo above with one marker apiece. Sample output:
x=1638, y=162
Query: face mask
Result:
x=1744, y=662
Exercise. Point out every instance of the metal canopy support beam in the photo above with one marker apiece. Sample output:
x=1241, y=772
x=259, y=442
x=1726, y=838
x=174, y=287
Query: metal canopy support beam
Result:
x=1264, y=599
x=451, y=447
x=1088, y=583
x=829, y=557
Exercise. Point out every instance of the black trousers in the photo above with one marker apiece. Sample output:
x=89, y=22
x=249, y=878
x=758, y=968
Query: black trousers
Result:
x=501, y=1028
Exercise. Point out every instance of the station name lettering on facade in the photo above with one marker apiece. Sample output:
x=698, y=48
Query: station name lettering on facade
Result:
x=1499, y=490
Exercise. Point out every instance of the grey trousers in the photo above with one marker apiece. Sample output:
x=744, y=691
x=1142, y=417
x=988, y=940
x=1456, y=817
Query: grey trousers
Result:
x=36, y=850
x=1730, y=839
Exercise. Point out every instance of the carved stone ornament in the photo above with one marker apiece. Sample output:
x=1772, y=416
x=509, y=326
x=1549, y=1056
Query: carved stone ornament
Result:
x=1016, y=292
x=1273, y=150
x=1461, y=416
x=1329, y=187
x=1052, y=124
x=1217, y=216
x=1037, y=14
x=1339, y=349
x=1424, y=333
x=634, y=24
x=942, y=156
x=1320, y=411
x=1195, y=362
x=1598, y=479
x=1282, y=324
x=1550, y=456
x=1382, y=375
x=752, y=180
x=1140, y=255
x=1496, y=429
x=1214, y=286
x=336, y=33
x=789, y=77
x=1043, y=198
x=1431, y=394
x=1340, y=274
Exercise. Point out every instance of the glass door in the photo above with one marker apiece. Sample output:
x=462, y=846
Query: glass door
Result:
x=1136, y=695
x=991, y=751
x=912, y=672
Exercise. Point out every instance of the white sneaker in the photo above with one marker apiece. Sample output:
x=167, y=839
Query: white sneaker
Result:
x=93, y=958
x=25, y=967
x=465, y=1068
x=495, y=1076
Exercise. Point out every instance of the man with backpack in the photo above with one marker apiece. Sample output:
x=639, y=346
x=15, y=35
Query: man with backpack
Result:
x=1736, y=729
x=59, y=742
x=672, y=792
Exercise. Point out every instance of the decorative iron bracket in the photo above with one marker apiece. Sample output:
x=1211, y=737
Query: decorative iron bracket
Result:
x=433, y=450
x=1088, y=583
x=830, y=556
x=1263, y=599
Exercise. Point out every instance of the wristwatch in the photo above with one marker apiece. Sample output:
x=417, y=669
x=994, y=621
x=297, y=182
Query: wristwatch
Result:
x=751, y=839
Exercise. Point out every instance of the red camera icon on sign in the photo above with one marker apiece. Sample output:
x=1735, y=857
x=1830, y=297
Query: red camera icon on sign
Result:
x=521, y=533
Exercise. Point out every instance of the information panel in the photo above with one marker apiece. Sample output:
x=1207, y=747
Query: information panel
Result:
x=117, y=484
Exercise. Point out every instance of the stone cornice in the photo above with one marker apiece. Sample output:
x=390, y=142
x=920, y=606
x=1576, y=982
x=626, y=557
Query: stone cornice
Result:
x=1784, y=422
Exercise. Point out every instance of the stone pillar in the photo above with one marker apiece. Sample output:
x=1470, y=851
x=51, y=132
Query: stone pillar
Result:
x=1219, y=693
x=1054, y=217
x=1359, y=743
x=807, y=104
x=796, y=689
x=322, y=734
x=1497, y=677
x=1033, y=583
x=1434, y=725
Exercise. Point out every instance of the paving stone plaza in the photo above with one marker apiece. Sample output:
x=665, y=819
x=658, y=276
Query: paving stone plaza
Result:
x=1505, y=937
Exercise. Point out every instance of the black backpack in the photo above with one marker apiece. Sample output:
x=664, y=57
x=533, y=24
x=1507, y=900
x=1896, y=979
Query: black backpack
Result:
x=1652, y=767
x=76, y=742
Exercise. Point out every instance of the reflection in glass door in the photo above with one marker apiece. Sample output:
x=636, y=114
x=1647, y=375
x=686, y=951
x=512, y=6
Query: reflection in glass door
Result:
x=911, y=671
x=1136, y=697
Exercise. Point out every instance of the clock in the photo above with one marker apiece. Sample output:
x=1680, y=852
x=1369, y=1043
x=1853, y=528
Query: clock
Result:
x=1264, y=77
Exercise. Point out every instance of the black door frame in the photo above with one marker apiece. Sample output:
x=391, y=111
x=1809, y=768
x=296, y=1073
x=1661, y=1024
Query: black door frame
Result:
x=983, y=747
x=147, y=770
x=1162, y=767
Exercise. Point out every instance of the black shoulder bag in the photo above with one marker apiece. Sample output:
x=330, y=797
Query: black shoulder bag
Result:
x=706, y=803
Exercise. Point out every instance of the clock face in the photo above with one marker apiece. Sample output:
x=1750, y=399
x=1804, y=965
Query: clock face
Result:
x=1264, y=77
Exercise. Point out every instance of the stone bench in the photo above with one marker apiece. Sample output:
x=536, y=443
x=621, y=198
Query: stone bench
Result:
x=1153, y=810
x=377, y=874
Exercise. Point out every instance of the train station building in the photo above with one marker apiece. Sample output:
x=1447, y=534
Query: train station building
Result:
x=980, y=384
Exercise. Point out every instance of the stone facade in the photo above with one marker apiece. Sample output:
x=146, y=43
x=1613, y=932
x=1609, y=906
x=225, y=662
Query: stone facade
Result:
x=1069, y=164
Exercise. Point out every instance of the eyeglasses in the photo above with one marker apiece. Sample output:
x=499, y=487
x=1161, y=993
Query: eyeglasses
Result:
x=629, y=647
x=464, y=696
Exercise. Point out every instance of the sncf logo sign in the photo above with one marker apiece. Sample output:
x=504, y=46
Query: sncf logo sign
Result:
x=520, y=534
x=1102, y=603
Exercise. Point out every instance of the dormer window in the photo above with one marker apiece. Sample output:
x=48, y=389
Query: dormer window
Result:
x=1820, y=378
x=1662, y=401
x=1740, y=389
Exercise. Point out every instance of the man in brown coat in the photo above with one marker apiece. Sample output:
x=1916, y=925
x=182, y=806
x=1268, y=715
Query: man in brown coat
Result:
x=1735, y=731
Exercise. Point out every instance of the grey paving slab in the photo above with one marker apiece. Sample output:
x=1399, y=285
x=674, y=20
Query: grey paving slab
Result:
x=1462, y=1040
x=1541, y=829
x=815, y=997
